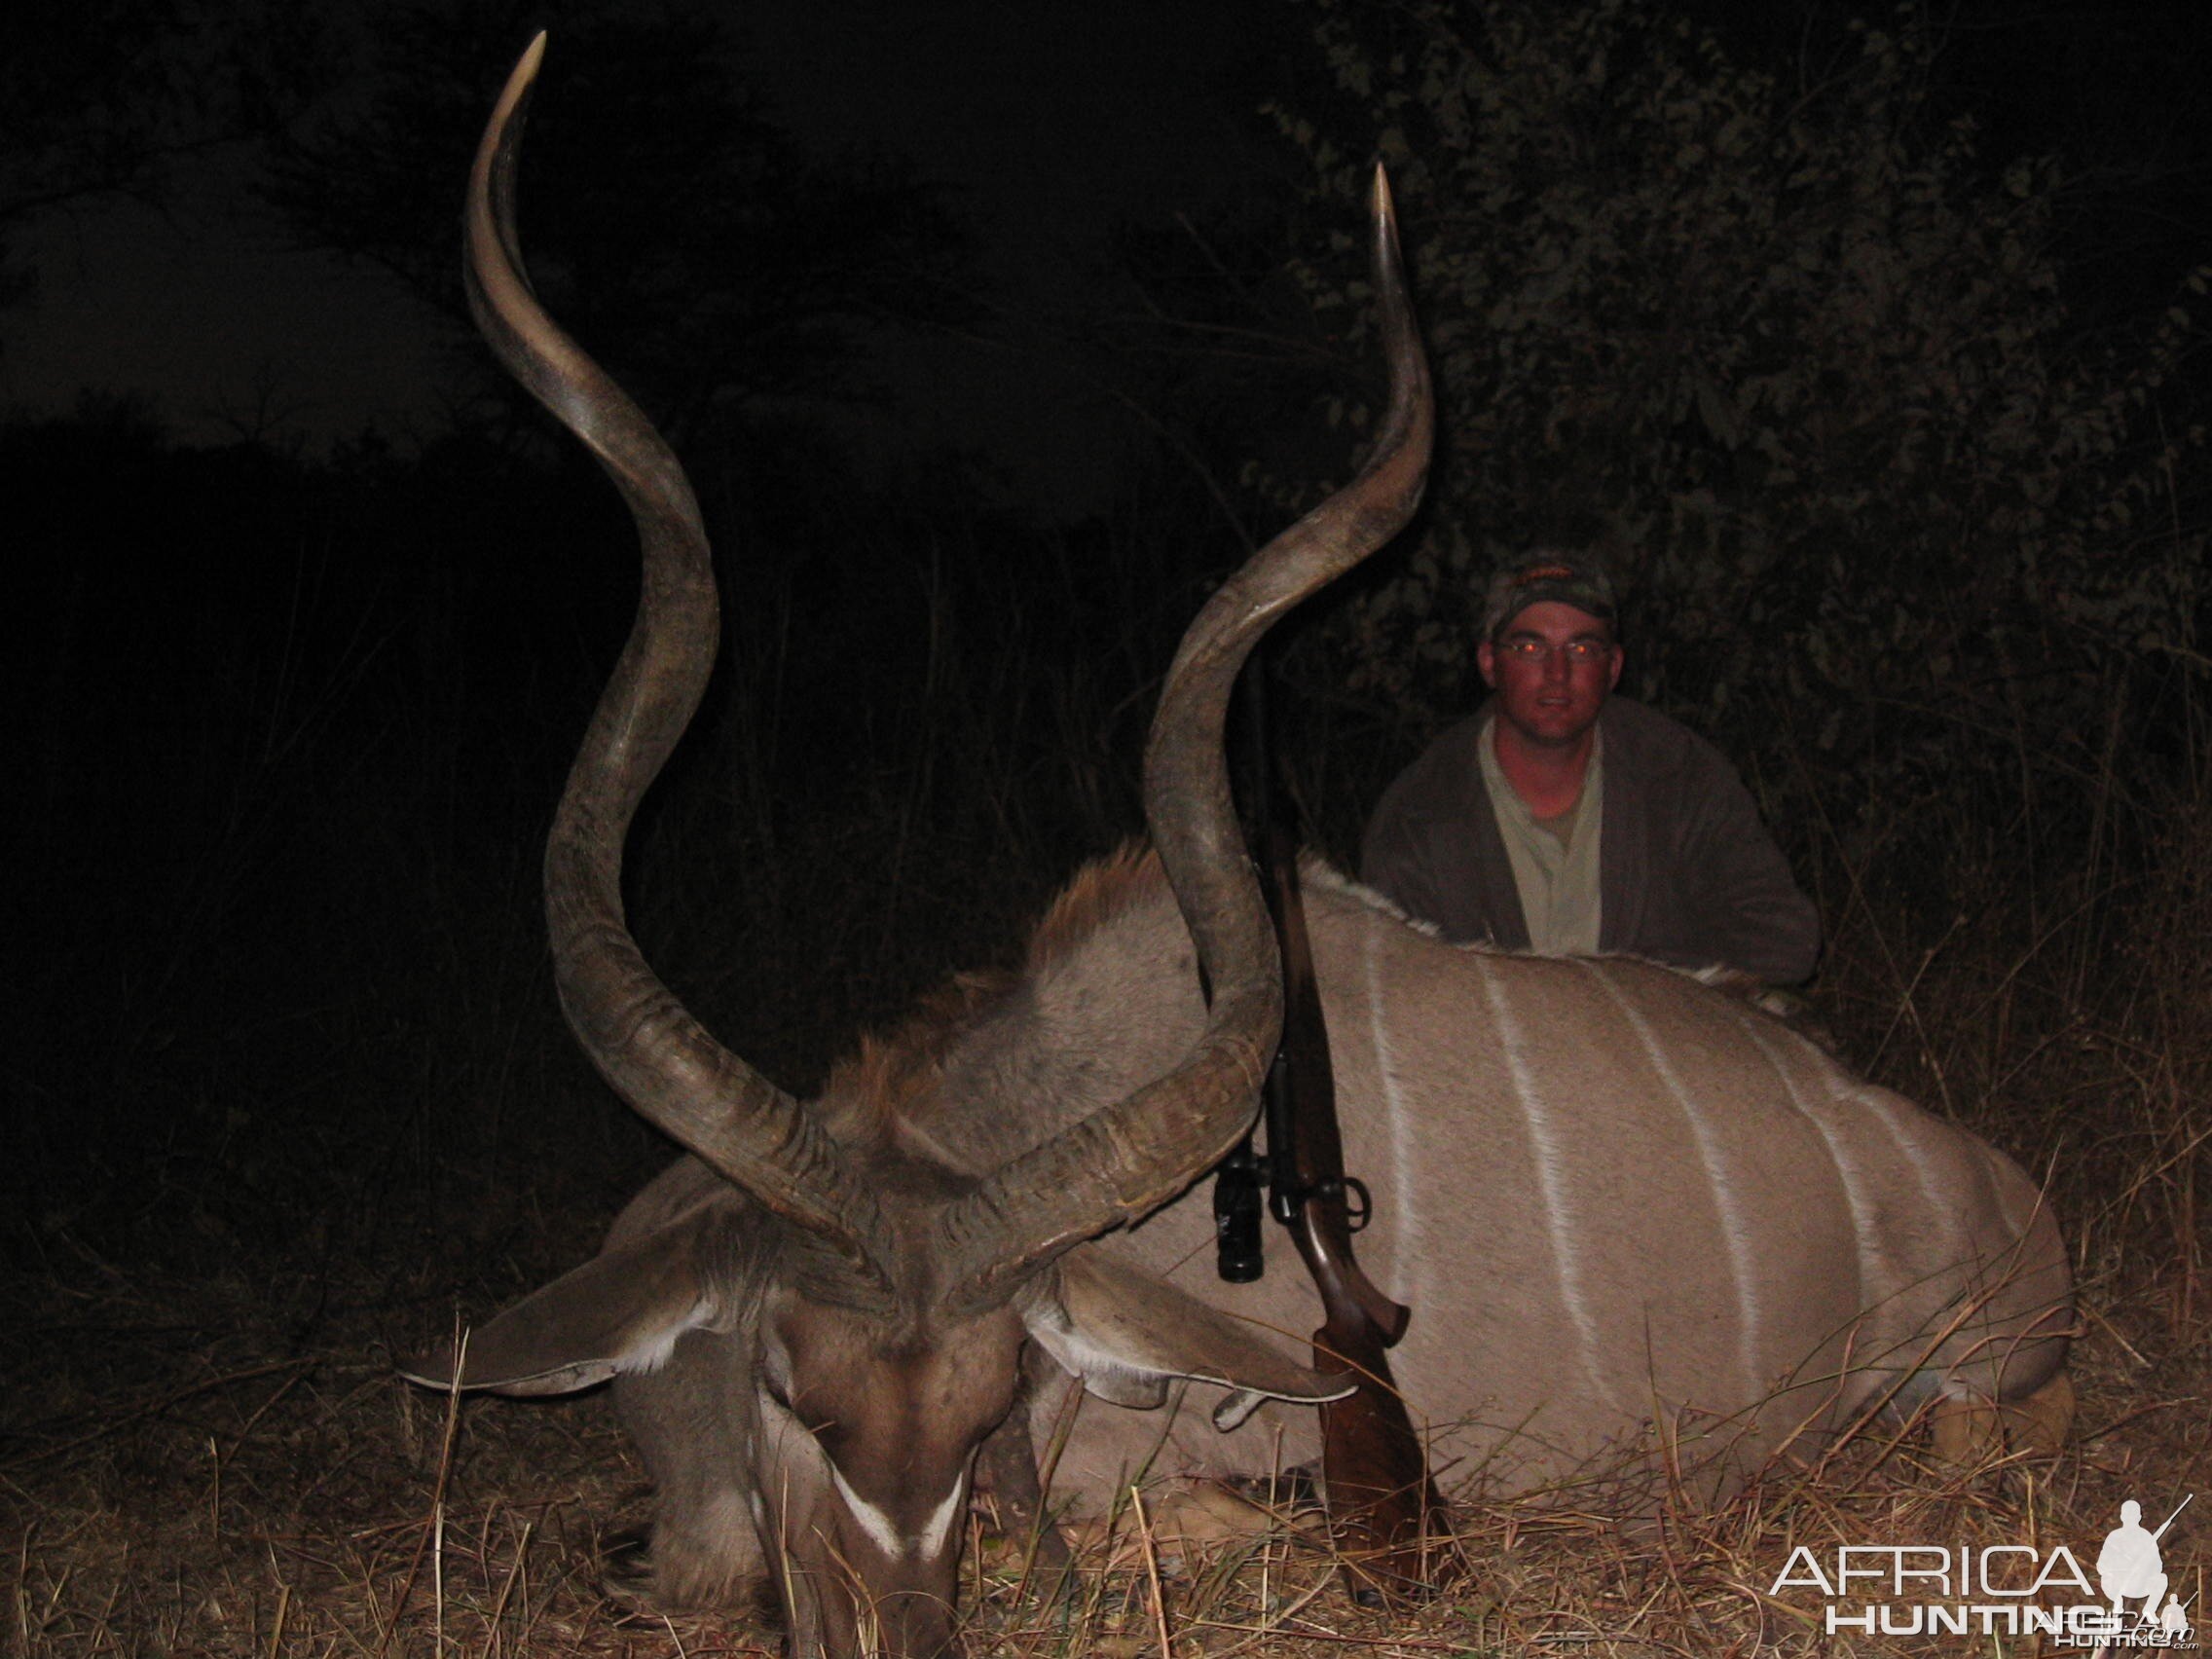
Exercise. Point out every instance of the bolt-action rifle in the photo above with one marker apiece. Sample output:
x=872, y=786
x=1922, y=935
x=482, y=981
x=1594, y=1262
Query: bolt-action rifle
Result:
x=1384, y=1507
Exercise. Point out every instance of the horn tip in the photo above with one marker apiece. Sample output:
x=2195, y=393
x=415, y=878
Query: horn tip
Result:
x=524, y=74
x=1387, y=253
x=1385, y=209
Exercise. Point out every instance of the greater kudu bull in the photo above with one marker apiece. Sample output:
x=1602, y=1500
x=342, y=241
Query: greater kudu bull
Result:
x=1625, y=1205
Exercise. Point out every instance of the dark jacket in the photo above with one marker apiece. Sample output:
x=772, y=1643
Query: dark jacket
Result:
x=1686, y=874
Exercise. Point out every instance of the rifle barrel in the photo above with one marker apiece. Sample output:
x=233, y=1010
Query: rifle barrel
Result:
x=2171, y=1519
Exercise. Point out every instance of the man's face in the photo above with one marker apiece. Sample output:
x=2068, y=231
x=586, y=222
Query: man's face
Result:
x=1551, y=670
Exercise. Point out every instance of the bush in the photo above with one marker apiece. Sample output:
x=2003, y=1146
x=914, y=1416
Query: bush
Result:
x=1804, y=357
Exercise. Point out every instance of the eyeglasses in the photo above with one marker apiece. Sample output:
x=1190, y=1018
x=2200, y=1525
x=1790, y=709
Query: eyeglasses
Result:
x=1580, y=653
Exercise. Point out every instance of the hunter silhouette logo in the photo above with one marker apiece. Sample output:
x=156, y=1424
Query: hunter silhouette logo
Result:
x=2006, y=1589
x=2130, y=1567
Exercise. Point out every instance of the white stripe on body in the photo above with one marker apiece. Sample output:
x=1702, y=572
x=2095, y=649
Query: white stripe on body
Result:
x=1734, y=1227
x=1543, y=1142
x=1405, y=1200
x=1940, y=1201
x=1848, y=1174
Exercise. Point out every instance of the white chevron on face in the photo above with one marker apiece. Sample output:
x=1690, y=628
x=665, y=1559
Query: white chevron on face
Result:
x=886, y=1532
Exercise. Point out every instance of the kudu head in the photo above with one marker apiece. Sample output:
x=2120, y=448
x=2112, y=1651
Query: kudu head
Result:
x=881, y=1299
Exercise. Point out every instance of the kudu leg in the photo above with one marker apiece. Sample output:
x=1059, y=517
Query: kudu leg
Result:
x=1969, y=1432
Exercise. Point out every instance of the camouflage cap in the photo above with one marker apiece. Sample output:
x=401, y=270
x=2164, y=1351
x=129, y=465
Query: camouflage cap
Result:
x=1567, y=578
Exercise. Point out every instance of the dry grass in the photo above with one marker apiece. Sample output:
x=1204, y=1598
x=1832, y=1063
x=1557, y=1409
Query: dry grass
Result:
x=184, y=1487
x=203, y=1449
x=219, y=1462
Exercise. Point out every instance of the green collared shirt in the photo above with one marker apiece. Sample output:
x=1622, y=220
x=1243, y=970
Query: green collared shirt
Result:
x=1555, y=860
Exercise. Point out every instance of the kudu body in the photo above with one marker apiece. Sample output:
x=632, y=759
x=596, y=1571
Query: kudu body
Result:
x=1621, y=1204
x=1631, y=1210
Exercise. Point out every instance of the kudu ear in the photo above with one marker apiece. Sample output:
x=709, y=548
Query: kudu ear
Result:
x=618, y=1313
x=1126, y=1333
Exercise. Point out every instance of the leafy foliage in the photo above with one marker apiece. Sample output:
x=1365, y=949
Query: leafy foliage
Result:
x=1805, y=363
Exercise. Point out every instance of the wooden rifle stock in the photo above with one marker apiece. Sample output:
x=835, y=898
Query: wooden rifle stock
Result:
x=1382, y=1505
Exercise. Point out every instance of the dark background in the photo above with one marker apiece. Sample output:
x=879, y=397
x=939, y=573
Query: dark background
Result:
x=992, y=335
x=991, y=338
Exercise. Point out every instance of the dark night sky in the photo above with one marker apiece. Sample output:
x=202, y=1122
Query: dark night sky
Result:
x=1048, y=125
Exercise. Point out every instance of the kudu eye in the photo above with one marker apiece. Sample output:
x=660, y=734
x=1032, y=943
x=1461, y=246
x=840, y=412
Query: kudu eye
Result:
x=808, y=1409
x=775, y=1381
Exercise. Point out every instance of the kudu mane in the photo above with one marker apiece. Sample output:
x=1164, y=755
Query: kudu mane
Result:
x=1011, y=1048
x=990, y=1060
